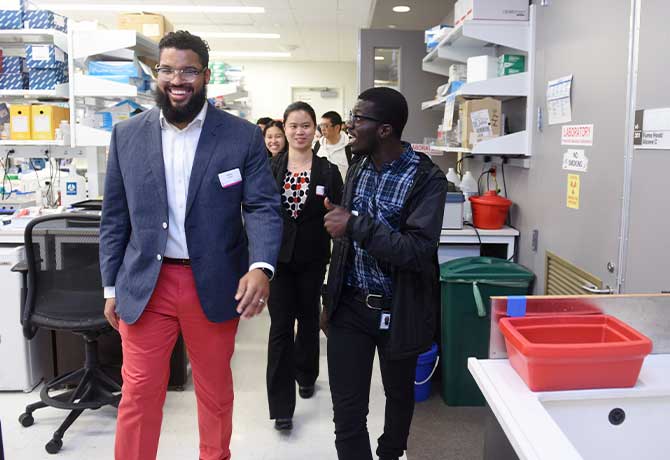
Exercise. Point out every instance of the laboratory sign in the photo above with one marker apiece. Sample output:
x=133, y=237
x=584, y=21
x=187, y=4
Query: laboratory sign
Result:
x=652, y=129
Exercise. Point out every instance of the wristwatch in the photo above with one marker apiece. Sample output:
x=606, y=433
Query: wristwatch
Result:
x=269, y=273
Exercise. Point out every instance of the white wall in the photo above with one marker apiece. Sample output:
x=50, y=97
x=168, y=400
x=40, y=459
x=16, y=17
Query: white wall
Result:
x=269, y=83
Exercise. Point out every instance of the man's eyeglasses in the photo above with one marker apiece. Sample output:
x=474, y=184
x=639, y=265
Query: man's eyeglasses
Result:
x=188, y=74
x=354, y=119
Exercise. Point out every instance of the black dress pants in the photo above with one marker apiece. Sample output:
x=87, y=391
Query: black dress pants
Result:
x=353, y=336
x=295, y=295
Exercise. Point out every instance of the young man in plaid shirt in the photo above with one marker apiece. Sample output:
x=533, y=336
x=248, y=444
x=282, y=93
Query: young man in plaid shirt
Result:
x=383, y=283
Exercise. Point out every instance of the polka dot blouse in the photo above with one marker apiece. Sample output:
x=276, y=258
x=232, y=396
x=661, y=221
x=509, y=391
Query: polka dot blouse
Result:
x=294, y=196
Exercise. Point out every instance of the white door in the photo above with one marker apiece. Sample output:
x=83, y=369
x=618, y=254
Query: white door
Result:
x=321, y=99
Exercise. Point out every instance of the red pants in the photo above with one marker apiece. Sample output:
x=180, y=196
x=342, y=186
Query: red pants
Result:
x=147, y=347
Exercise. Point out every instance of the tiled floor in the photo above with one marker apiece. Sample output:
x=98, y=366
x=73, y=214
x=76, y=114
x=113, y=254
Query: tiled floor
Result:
x=254, y=438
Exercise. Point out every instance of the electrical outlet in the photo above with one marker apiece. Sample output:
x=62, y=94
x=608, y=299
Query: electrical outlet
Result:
x=534, y=240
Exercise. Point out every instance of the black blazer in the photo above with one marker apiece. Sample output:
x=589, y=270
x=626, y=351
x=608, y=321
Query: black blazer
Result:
x=305, y=239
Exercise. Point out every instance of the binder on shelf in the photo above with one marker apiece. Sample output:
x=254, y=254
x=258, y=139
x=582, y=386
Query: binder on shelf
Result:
x=45, y=120
x=20, y=122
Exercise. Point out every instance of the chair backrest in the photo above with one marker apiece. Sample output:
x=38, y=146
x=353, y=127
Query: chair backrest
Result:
x=64, y=288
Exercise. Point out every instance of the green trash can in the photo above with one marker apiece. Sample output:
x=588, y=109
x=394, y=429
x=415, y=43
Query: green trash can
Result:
x=467, y=285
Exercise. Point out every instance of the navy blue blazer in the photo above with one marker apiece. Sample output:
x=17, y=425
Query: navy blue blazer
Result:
x=226, y=228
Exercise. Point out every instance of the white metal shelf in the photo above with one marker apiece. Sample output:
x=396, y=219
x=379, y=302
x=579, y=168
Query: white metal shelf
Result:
x=16, y=143
x=98, y=42
x=20, y=37
x=448, y=149
x=509, y=144
x=474, y=38
x=90, y=86
x=61, y=92
x=504, y=88
x=92, y=137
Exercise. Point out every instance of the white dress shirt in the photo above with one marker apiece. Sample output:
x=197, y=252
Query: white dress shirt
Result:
x=179, y=147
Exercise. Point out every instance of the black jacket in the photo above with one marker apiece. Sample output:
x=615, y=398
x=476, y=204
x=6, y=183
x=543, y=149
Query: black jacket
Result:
x=305, y=239
x=411, y=252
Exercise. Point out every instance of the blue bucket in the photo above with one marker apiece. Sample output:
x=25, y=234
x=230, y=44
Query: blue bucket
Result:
x=425, y=368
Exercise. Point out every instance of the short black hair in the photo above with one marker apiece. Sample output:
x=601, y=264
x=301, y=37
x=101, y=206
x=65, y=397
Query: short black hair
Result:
x=334, y=117
x=263, y=121
x=390, y=106
x=274, y=124
x=184, y=40
x=298, y=106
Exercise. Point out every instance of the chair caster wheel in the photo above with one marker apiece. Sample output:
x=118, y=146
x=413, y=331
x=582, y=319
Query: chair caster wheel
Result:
x=26, y=419
x=54, y=446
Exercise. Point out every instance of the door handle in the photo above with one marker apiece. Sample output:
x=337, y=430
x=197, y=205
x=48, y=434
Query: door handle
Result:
x=594, y=289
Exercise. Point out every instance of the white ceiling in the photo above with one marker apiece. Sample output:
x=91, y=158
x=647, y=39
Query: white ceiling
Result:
x=322, y=30
x=423, y=14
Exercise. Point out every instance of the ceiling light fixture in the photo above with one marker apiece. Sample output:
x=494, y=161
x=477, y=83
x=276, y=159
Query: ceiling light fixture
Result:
x=158, y=7
x=392, y=26
x=401, y=9
x=379, y=58
x=236, y=35
x=268, y=54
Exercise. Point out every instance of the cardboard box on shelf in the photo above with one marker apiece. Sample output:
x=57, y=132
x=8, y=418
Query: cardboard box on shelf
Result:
x=12, y=64
x=497, y=10
x=510, y=64
x=151, y=25
x=480, y=119
x=45, y=120
x=46, y=79
x=45, y=57
x=11, y=19
x=482, y=68
x=13, y=80
x=20, y=122
x=44, y=19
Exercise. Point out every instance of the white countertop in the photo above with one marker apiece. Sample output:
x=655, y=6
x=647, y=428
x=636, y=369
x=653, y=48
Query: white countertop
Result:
x=528, y=425
x=469, y=231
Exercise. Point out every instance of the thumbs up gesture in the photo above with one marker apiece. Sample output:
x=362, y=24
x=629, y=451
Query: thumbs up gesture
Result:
x=336, y=219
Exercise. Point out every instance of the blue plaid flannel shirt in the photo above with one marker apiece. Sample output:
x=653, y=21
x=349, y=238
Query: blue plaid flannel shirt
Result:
x=381, y=196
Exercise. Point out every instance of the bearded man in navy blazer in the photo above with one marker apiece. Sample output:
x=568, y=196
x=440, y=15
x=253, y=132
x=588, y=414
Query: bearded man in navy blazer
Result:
x=189, y=237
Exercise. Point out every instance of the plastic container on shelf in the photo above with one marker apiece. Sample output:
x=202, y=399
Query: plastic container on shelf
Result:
x=553, y=353
x=453, y=177
x=469, y=188
x=490, y=210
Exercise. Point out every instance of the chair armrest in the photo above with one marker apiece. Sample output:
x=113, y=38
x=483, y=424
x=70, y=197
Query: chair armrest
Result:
x=21, y=267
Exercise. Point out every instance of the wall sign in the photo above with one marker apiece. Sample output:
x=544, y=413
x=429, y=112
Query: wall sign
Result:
x=652, y=129
x=572, y=200
x=577, y=135
x=575, y=160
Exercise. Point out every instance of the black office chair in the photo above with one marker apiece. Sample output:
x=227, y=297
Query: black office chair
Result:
x=64, y=293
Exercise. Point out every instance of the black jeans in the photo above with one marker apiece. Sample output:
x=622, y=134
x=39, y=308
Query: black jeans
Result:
x=353, y=335
x=295, y=294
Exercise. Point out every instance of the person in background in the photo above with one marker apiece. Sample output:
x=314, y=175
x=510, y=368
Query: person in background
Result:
x=383, y=281
x=263, y=122
x=305, y=181
x=275, y=138
x=189, y=236
x=317, y=137
x=334, y=145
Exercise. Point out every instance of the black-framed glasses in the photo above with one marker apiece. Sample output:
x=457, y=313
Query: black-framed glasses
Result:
x=189, y=74
x=354, y=119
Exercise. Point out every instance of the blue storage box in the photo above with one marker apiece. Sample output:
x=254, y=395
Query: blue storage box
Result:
x=11, y=19
x=12, y=64
x=46, y=78
x=13, y=80
x=115, y=68
x=45, y=57
x=45, y=19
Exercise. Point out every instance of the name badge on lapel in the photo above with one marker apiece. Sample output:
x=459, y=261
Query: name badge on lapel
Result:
x=230, y=178
x=320, y=190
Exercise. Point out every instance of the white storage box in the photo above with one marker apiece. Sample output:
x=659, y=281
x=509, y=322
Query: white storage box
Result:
x=482, y=68
x=453, y=211
x=497, y=10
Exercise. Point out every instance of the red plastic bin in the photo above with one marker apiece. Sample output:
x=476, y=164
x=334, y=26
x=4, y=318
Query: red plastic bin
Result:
x=574, y=352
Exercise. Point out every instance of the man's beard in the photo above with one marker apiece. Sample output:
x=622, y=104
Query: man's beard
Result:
x=183, y=114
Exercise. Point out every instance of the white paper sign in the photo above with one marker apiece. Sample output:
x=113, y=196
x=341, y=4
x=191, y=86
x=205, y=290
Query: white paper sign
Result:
x=577, y=135
x=652, y=129
x=559, y=108
x=575, y=160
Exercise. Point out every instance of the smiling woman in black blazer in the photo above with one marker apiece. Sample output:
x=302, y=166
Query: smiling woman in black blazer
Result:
x=304, y=180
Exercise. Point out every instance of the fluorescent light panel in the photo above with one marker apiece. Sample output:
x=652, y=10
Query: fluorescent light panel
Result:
x=153, y=7
x=379, y=58
x=236, y=35
x=268, y=54
x=401, y=9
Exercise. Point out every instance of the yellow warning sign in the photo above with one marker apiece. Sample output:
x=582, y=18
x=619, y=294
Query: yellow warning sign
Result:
x=573, y=191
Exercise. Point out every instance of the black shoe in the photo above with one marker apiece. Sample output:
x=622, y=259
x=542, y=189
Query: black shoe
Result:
x=306, y=392
x=284, y=424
